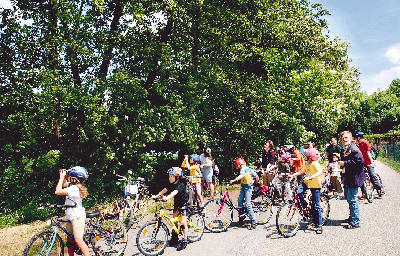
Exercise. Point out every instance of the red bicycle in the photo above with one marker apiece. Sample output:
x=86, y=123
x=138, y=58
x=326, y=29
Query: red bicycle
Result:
x=218, y=213
x=291, y=214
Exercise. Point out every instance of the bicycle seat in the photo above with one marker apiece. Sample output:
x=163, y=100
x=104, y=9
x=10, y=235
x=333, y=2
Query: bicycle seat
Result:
x=92, y=214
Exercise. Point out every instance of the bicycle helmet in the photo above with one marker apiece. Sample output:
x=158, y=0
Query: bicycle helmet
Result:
x=312, y=154
x=238, y=162
x=78, y=172
x=359, y=134
x=176, y=171
x=207, y=151
x=195, y=158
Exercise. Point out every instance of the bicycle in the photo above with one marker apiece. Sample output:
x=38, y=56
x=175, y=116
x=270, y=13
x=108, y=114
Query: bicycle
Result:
x=152, y=238
x=218, y=217
x=107, y=237
x=370, y=189
x=194, y=201
x=279, y=189
x=133, y=207
x=290, y=215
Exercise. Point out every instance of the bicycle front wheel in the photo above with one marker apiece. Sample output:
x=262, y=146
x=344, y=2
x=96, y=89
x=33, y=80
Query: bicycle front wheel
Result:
x=217, y=218
x=109, y=237
x=369, y=187
x=263, y=209
x=195, y=227
x=288, y=220
x=152, y=238
x=46, y=242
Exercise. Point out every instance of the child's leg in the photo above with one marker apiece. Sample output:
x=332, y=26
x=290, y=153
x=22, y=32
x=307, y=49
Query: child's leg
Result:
x=300, y=189
x=78, y=226
x=338, y=185
x=70, y=241
x=174, y=235
x=316, y=213
x=198, y=188
x=240, y=198
x=185, y=226
x=247, y=194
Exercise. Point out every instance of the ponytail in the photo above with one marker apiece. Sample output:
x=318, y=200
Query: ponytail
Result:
x=82, y=189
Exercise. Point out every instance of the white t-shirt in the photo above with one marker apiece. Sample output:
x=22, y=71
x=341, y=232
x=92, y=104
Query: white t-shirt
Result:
x=74, y=194
x=205, y=160
x=335, y=169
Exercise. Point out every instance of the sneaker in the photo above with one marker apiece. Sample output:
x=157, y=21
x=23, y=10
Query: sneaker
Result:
x=318, y=230
x=311, y=226
x=253, y=226
x=363, y=197
x=181, y=246
x=350, y=226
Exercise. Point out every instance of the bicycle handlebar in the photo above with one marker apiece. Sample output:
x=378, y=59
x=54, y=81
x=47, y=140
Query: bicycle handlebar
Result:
x=58, y=206
x=123, y=178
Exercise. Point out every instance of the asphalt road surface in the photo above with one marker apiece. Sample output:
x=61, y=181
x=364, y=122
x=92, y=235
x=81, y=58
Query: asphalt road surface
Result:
x=379, y=233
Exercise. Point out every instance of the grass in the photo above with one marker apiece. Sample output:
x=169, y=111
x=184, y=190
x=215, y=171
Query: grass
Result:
x=390, y=162
x=14, y=239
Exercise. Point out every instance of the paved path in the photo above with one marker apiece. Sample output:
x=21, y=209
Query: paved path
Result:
x=379, y=233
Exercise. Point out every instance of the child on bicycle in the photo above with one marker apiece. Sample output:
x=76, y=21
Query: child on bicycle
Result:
x=193, y=165
x=71, y=184
x=312, y=181
x=177, y=191
x=246, y=176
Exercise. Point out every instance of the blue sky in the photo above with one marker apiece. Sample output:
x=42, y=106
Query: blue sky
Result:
x=373, y=30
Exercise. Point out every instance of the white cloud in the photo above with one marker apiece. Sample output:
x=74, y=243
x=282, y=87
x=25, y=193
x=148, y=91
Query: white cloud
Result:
x=6, y=4
x=380, y=80
x=393, y=54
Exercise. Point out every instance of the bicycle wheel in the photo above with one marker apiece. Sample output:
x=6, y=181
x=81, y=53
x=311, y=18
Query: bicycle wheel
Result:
x=217, y=218
x=152, y=238
x=325, y=208
x=378, y=177
x=108, y=238
x=195, y=227
x=42, y=244
x=263, y=209
x=369, y=187
x=288, y=220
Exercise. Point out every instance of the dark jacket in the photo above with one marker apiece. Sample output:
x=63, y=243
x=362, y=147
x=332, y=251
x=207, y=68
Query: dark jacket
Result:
x=267, y=158
x=354, y=175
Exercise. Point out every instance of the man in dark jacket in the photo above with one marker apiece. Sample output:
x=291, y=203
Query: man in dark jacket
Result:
x=353, y=177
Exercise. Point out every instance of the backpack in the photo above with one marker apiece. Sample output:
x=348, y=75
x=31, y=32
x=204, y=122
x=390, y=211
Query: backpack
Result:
x=374, y=153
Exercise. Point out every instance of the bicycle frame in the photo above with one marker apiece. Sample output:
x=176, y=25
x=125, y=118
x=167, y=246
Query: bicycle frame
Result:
x=171, y=221
x=227, y=199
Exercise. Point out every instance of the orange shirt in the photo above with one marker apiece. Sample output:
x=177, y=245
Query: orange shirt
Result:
x=299, y=163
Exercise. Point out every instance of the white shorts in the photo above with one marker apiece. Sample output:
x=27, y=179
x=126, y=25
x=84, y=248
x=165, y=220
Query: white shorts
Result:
x=207, y=174
x=77, y=227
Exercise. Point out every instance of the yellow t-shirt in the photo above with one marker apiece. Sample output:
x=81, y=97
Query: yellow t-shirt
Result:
x=311, y=169
x=194, y=171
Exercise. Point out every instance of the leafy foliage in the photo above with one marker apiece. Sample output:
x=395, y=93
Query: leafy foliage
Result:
x=104, y=83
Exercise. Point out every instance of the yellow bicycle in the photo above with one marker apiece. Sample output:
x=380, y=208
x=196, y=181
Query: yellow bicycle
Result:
x=152, y=238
